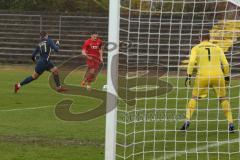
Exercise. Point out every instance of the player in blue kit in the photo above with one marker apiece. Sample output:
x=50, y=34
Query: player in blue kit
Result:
x=44, y=63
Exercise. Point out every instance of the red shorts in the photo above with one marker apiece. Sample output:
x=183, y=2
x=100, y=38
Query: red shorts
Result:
x=93, y=64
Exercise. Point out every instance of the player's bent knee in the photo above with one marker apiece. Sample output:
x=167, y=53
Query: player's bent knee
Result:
x=92, y=71
x=222, y=99
x=55, y=71
x=195, y=97
x=35, y=76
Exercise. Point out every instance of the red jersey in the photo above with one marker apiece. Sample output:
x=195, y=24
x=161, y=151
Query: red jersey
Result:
x=93, y=48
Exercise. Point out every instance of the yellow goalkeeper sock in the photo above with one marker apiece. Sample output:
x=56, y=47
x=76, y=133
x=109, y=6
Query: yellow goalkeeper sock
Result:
x=227, y=110
x=190, y=109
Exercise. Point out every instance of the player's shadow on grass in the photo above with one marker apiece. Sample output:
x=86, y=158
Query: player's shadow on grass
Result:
x=127, y=91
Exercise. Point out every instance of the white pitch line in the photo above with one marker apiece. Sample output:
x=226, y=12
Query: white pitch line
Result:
x=137, y=74
x=199, y=149
x=23, y=109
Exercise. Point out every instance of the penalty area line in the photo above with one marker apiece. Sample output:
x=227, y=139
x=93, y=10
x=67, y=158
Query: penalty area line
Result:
x=198, y=149
x=23, y=109
x=137, y=74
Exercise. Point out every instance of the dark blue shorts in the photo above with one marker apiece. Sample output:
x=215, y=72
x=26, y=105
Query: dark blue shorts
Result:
x=43, y=66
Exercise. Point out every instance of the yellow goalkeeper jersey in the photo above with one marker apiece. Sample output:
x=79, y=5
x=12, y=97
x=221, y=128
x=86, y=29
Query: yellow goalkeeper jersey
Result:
x=210, y=59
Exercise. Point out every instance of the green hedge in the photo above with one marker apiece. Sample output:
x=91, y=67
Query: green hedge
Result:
x=99, y=6
x=54, y=5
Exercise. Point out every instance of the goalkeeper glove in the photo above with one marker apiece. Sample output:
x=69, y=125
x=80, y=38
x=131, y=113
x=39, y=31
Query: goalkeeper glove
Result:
x=188, y=80
x=227, y=79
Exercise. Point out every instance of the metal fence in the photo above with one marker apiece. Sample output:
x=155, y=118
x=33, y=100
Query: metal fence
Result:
x=19, y=34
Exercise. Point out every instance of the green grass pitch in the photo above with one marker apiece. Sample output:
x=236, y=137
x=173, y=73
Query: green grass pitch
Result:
x=29, y=129
x=37, y=133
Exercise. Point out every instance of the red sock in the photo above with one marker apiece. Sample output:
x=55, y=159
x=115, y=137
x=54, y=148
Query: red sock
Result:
x=90, y=78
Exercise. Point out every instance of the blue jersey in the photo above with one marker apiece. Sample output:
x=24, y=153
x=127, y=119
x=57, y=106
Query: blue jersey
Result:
x=44, y=48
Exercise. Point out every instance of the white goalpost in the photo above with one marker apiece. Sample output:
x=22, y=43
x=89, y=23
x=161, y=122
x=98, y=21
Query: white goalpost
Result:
x=112, y=79
x=146, y=102
x=236, y=2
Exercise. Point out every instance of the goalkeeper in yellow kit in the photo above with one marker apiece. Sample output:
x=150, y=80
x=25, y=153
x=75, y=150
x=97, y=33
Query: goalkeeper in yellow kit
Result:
x=213, y=72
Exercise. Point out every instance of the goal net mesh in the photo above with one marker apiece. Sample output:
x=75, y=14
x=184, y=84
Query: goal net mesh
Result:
x=156, y=39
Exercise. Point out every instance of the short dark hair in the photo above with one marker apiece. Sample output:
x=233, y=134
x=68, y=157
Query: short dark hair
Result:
x=94, y=32
x=43, y=34
x=205, y=36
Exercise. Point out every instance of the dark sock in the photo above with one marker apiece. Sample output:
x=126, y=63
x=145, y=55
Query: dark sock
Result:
x=26, y=81
x=57, y=81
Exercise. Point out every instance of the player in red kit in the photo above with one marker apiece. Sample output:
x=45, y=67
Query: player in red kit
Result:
x=93, y=51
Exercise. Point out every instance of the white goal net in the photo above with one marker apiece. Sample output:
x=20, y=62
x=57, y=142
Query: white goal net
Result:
x=156, y=39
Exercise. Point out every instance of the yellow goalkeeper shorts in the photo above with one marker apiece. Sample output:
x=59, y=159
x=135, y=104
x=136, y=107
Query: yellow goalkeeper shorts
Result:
x=203, y=84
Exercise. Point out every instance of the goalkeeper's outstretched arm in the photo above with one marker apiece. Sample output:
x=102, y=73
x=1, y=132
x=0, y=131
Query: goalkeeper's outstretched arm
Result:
x=190, y=67
x=225, y=64
x=192, y=61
